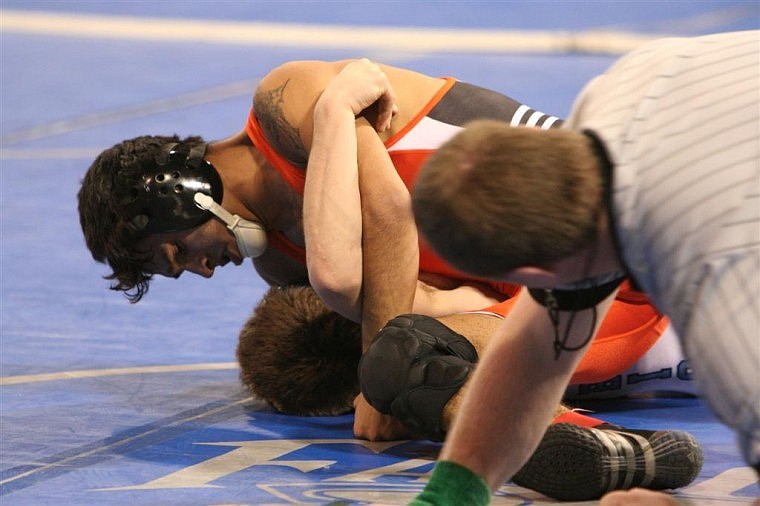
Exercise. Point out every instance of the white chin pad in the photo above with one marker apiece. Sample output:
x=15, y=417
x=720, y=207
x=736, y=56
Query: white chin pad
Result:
x=251, y=237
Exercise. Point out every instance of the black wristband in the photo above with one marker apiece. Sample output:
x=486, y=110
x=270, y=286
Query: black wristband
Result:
x=576, y=299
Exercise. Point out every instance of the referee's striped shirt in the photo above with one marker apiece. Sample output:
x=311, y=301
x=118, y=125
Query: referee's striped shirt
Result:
x=681, y=121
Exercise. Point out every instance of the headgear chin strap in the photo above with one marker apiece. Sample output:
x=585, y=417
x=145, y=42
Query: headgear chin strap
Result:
x=250, y=236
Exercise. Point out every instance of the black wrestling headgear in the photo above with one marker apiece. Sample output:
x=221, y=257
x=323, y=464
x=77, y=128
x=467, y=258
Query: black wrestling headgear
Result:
x=163, y=200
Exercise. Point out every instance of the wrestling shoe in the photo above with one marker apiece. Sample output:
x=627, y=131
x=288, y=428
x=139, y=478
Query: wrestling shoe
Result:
x=575, y=463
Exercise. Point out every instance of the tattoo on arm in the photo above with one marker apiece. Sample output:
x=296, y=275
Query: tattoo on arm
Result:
x=283, y=136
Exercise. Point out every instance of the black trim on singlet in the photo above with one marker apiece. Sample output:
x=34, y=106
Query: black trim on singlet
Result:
x=605, y=166
x=466, y=102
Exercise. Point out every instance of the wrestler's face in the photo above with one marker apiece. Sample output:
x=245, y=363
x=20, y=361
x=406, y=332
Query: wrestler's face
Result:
x=199, y=250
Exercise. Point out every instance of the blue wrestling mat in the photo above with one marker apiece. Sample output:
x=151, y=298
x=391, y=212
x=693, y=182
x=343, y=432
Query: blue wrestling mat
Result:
x=198, y=450
x=107, y=403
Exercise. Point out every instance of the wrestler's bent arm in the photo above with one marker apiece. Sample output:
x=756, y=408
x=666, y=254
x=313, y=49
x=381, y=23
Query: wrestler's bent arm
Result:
x=332, y=209
x=285, y=105
x=389, y=241
x=390, y=263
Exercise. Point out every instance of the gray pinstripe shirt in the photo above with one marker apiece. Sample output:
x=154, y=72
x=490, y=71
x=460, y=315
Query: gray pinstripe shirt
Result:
x=681, y=122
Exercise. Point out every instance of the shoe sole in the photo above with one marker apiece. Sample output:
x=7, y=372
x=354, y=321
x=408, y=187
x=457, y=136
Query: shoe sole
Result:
x=580, y=464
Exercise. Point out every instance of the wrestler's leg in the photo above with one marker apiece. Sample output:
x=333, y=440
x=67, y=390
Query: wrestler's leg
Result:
x=635, y=351
x=580, y=460
x=662, y=369
x=478, y=327
x=291, y=328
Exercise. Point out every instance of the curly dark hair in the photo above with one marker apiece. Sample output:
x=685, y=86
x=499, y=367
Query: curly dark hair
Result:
x=108, y=233
x=299, y=356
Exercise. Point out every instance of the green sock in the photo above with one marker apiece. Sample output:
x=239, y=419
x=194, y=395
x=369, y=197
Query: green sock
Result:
x=453, y=485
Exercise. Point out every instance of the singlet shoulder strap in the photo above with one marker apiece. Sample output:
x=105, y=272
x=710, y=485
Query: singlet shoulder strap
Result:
x=294, y=176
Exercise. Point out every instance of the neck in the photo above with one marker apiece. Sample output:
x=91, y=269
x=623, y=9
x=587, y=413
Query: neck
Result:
x=598, y=260
x=605, y=257
x=252, y=188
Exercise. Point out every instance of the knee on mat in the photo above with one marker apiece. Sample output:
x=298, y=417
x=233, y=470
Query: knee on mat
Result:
x=413, y=367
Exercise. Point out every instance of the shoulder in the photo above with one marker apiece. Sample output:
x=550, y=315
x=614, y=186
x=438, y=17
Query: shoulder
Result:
x=285, y=98
x=284, y=103
x=313, y=75
x=303, y=73
x=294, y=85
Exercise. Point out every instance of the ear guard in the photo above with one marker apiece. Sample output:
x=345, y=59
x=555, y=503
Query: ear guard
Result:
x=250, y=236
x=162, y=201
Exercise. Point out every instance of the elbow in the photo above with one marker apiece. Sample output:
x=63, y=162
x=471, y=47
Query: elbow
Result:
x=340, y=291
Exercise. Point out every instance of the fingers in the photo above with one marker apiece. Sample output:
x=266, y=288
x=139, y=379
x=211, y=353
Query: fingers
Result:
x=636, y=497
x=361, y=84
x=372, y=425
x=359, y=400
x=386, y=97
x=387, y=109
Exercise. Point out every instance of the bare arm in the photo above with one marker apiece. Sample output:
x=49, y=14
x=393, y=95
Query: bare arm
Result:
x=334, y=196
x=390, y=263
x=286, y=102
x=390, y=247
x=332, y=94
x=496, y=430
x=332, y=210
x=453, y=298
x=388, y=238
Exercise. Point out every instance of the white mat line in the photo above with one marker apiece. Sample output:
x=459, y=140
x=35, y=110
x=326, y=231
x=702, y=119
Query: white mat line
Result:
x=95, y=373
x=213, y=94
x=414, y=40
x=50, y=153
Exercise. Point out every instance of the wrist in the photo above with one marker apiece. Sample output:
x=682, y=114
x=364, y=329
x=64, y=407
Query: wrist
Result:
x=452, y=484
x=332, y=104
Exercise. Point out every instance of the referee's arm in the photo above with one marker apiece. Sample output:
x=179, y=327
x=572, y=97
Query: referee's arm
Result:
x=516, y=388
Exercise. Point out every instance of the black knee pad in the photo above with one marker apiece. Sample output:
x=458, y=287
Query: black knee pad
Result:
x=413, y=367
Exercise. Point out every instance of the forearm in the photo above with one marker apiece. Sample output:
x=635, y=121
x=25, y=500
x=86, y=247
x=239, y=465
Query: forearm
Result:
x=439, y=302
x=496, y=431
x=390, y=247
x=332, y=211
x=499, y=426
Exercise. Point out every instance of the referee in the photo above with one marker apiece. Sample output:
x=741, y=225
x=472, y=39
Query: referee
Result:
x=655, y=175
